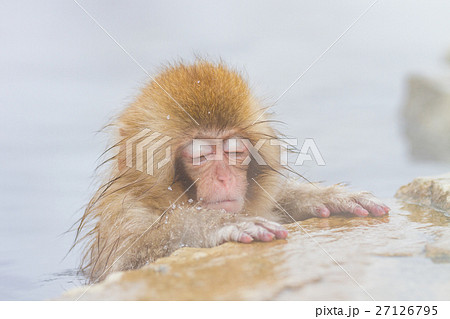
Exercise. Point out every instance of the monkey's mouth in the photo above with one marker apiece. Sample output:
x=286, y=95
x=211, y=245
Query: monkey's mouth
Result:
x=230, y=205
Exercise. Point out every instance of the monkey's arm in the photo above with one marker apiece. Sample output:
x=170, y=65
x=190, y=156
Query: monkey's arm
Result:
x=303, y=201
x=198, y=227
x=155, y=237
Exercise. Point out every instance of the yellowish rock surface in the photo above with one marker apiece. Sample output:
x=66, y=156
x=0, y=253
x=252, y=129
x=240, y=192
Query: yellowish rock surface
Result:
x=431, y=192
x=403, y=256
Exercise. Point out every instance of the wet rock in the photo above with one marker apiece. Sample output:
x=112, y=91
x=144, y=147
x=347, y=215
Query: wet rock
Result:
x=427, y=117
x=439, y=250
x=400, y=256
x=432, y=192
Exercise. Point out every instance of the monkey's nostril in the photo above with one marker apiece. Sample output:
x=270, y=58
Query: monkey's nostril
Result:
x=224, y=180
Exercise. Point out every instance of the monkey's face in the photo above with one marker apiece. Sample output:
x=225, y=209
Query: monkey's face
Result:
x=221, y=174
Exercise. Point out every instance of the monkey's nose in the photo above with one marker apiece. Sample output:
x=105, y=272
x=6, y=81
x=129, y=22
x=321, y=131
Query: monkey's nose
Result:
x=225, y=181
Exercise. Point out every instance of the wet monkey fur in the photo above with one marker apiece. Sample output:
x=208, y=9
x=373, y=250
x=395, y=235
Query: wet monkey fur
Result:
x=198, y=198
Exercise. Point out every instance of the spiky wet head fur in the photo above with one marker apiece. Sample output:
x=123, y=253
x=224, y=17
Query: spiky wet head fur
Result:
x=188, y=101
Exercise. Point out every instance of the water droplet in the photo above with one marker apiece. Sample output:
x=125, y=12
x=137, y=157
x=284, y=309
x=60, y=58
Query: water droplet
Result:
x=168, y=117
x=198, y=82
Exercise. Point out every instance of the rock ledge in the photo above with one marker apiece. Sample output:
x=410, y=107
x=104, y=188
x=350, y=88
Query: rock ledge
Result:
x=433, y=192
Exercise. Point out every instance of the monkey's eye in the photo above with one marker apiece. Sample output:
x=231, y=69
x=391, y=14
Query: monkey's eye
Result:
x=236, y=155
x=235, y=149
x=202, y=159
x=234, y=145
x=198, y=153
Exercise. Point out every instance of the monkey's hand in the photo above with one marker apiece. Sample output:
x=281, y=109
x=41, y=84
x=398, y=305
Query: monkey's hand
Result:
x=246, y=230
x=359, y=204
x=306, y=200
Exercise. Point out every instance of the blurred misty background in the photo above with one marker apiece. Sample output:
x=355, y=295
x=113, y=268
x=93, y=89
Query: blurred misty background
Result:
x=62, y=78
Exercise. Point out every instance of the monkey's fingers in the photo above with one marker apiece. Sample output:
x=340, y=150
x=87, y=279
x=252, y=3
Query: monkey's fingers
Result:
x=279, y=231
x=245, y=238
x=377, y=210
x=233, y=233
x=244, y=232
x=248, y=231
x=322, y=211
x=373, y=205
x=257, y=231
x=358, y=210
x=346, y=206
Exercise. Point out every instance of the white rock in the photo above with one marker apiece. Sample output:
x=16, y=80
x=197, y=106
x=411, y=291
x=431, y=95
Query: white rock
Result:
x=427, y=117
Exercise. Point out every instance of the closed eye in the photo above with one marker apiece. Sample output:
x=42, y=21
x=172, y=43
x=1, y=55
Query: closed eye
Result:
x=236, y=154
x=202, y=159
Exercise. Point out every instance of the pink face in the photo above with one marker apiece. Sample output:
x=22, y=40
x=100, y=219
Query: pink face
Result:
x=222, y=179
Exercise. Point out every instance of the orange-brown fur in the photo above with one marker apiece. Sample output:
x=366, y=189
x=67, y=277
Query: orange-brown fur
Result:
x=122, y=225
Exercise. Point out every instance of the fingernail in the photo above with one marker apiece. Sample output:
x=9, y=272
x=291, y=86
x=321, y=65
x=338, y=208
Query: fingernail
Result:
x=360, y=211
x=246, y=239
x=322, y=212
x=381, y=211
